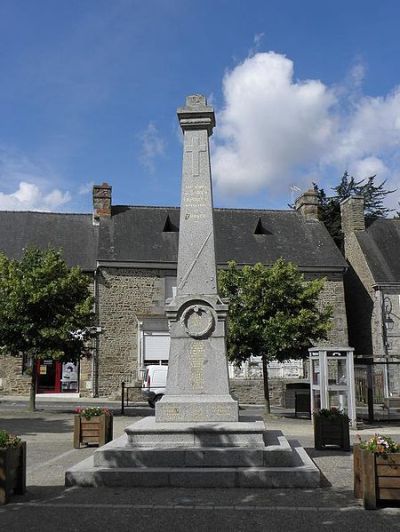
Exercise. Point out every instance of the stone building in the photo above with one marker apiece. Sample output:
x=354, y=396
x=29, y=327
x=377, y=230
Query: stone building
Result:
x=131, y=254
x=373, y=289
x=76, y=236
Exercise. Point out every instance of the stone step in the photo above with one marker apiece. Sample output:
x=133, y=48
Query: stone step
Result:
x=117, y=454
x=148, y=433
x=306, y=475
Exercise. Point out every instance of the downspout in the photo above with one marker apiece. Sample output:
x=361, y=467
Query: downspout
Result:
x=384, y=343
x=139, y=343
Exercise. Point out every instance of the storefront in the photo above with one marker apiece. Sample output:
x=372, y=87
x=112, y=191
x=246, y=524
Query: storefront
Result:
x=54, y=376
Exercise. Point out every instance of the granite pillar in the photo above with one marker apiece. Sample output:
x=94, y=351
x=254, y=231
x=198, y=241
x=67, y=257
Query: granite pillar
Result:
x=197, y=384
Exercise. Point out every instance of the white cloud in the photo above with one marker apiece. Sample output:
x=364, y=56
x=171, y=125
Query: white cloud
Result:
x=257, y=40
x=29, y=197
x=27, y=185
x=85, y=188
x=357, y=74
x=275, y=130
x=368, y=167
x=372, y=129
x=152, y=146
x=269, y=125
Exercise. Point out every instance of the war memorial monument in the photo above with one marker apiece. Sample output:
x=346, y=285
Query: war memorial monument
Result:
x=196, y=438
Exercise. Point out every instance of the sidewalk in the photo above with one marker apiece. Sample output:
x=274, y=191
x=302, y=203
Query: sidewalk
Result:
x=48, y=506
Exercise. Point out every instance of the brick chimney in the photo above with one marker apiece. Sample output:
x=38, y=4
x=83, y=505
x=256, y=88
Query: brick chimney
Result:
x=101, y=201
x=308, y=205
x=352, y=214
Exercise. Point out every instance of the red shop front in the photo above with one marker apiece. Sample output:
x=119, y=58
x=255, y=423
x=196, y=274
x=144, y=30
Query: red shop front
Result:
x=54, y=376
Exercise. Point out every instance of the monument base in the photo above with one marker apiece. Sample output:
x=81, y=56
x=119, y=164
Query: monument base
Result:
x=148, y=433
x=207, y=455
x=197, y=408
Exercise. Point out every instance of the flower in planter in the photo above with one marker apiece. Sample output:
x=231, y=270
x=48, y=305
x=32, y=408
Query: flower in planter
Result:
x=8, y=440
x=92, y=411
x=378, y=444
x=331, y=413
x=377, y=470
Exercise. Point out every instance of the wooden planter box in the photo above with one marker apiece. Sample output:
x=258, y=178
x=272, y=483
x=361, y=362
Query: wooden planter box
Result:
x=331, y=431
x=12, y=471
x=357, y=472
x=98, y=430
x=376, y=479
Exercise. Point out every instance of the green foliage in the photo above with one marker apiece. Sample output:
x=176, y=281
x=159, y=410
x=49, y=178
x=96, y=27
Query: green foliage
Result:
x=374, y=196
x=8, y=440
x=273, y=312
x=45, y=306
x=383, y=445
x=331, y=413
x=92, y=411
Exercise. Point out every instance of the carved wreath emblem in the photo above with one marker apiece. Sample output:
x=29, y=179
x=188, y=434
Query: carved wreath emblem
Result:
x=198, y=321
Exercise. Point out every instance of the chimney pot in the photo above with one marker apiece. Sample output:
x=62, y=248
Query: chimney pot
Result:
x=352, y=214
x=308, y=205
x=101, y=201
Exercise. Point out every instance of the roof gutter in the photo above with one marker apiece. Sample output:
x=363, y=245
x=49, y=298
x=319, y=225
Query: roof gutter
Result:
x=221, y=265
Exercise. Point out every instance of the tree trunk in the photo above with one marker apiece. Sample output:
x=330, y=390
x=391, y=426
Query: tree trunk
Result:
x=32, y=395
x=266, y=385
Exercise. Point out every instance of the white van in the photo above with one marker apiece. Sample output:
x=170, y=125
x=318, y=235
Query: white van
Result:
x=155, y=381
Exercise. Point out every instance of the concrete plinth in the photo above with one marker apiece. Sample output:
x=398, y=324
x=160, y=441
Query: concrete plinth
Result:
x=197, y=408
x=274, y=464
x=148, y=433
x=277, y=465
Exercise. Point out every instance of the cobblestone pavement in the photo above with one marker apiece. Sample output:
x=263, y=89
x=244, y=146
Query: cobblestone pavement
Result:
x=48, y=506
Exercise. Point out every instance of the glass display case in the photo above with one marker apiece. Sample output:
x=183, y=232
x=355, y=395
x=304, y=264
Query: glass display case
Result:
x=332, y=379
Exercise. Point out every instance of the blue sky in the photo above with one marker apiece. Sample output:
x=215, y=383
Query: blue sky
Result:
x=89, y=89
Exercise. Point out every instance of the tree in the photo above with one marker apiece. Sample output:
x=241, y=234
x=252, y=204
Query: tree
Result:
x=273, y=313
x=374, y=196
x=46, y=308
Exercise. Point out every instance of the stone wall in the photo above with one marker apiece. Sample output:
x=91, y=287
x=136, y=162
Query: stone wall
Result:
x=125, y=296
x=333, y=295
x=247, y=391
x=12, y=382
x=362, y=302
x=85, y=377
x=251, y=391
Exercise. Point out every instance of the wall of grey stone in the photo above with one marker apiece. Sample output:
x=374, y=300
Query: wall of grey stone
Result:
x=85, y=377
x=247, y=391
x=362, y=302
x=125, y=296
x=251, y=391
x=333, y=295
x=12, y=382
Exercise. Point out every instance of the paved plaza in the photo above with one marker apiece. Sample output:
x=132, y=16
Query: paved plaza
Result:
x=48, y=506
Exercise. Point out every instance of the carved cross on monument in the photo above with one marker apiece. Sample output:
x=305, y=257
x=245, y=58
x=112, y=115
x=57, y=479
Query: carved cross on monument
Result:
x=196, y=148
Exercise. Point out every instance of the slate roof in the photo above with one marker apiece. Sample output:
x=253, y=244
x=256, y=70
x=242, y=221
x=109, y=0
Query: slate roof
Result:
x=137, y=234
x=73, y=233
x=150, y=234
x=380, y=243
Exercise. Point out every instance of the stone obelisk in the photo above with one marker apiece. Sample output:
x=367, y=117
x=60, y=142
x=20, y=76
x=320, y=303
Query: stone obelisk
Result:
x=196, y=439
x=197, y=385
